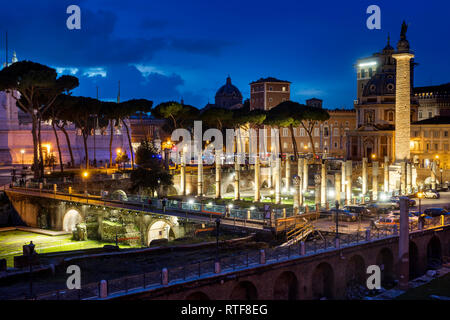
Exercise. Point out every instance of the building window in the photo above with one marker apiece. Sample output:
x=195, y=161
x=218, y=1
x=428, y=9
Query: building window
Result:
x=391, y=116
x=270, y=99
x=316, y=132
x=302, y=132
x=336, y=132
x=325, y=131
x=270, y=88
x=425, y=133
x=436, y=134
x=285, y=132
x=445, y=146
x=285, y=145
x=283, y=89
x=420, y=114
x=430, y=114
x=335, y=145
x=316, y=145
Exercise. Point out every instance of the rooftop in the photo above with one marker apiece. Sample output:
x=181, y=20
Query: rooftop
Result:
x=269, y=79
x=434, y=120
x=439, y=88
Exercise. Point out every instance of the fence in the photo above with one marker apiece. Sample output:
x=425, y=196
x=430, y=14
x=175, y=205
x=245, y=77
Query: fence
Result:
x=231, y=263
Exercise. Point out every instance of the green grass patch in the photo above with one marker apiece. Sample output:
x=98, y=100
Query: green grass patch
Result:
x=438, y=287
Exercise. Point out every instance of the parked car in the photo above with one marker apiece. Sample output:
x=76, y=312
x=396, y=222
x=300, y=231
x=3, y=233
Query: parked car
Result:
x=431, y=194
x=359, y=210
x=412, y=203
x=435, y=212
x=396, y=215
x=343, y=215
x=386, y=222
x=382, y=207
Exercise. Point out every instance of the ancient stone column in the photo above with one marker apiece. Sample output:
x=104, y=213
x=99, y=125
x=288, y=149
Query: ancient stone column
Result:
x=386, y=174
x=237, y=178
x=218, y=174
x=348, y=181
x=403, y=244
x=375, y=180
x=337, y=186
x=343, y=176
x=300, y=169
x=278, y=181
x=317, y=190
x=269, y=179
x=288, y=173
x=403, y=177
x=298, y=195
x=200, y=174
x=364, y=176
x=323, y=184
x=305, y=175
x=409, y=177
x=183, y=174
x=257, y=179
x=402, y=102
x=433, y=174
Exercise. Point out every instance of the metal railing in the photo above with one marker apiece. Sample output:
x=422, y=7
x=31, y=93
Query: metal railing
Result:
x=249, y=259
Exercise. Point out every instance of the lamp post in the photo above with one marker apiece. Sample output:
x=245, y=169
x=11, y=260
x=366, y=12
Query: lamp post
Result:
x=85, y=176
x=420, y=195
x=337, y=219
x=22, y=151
x=217, y=239
x=440, y=181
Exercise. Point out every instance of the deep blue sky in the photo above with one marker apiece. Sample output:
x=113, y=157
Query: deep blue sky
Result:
x=168, y=50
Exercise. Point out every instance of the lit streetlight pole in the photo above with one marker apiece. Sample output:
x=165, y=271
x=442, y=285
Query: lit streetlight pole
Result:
x=22, y=151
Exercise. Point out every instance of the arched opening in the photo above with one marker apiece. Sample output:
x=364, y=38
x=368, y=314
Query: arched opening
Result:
x=198, y=295
x=323, y=281
x=414, y=271
x=434, y=253
x=119, y=195
x=385, y=260
x=71, y=219
x=211, y=188
x=286, y=287
x=160, y=230
x=264, y=185
x=171, y=191
x=244, y=290
x=229, y=189
x=355, y=276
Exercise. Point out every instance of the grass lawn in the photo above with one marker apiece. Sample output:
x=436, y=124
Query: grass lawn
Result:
x=11, y=243
x=438, y=287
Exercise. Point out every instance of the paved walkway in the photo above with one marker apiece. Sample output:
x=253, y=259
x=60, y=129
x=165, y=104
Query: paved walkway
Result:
x=97, y=201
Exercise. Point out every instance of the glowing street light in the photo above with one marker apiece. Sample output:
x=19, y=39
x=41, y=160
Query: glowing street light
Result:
x=22, y=151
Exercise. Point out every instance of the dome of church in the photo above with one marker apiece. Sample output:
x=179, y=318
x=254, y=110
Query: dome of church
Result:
x=228, y=90
x=228, y=95
x=380, y=84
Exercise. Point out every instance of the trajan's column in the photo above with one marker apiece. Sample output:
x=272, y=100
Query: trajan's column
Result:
x=403, y=97
x=402, y=135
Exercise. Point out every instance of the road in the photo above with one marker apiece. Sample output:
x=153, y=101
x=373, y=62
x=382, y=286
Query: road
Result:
x=443, y=201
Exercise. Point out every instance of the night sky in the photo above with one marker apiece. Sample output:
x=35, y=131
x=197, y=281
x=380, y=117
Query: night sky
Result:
x=168, y=50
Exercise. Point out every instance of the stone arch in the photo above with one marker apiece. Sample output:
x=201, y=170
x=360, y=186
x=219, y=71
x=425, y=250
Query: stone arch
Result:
x=434, y=253
x=172, y=190
x=323, y=281
x=229, y=188
x=286, y=287
x=160, y=229
x=264, y=184
x=355, y=272
x=71, y=218
x=244, y=290
x=385, y=260
x=210, y=188
x=119, y=195
x=198, y=295
x=414, y=271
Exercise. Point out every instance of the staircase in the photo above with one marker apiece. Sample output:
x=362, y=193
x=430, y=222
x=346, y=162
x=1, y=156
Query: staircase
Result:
x=298, y=233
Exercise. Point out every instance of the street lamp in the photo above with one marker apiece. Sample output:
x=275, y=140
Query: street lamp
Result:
x=440, y=182
x=22, y=151
x=337, y=219
x=217, y=239
x=420, y=195
x=85, y=175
